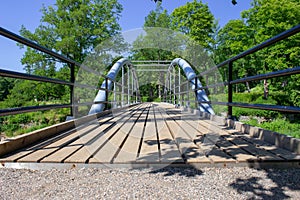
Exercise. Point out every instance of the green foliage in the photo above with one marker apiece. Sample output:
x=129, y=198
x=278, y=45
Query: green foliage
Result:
x=195, y=20
x=74, y=27
x=6, y=84
x=278, y=125
x=71, y=27
x=25, y=123
x=158, y=18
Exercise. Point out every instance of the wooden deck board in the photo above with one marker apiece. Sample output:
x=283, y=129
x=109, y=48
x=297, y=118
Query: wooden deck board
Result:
x=149, y=150
x=107, y=152
x=191, y=127
x=260, y=153
x=129, y=151
x=168, y=148
x=92, y=144
x=207, y=139
x=152, y=133
x=39, y=154
x=185, y=144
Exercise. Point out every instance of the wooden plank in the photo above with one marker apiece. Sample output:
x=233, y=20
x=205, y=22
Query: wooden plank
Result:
x=260, y=153
x=168, y=148
x=129, y=151
x=149, y=150
x=41, y=153
x=108, y=151
x=185, y=144
x=28, y=150
x=63, y=153
x=216, y=155
x=288, y=155
x=279, y=152
x=208, y=139
x=14, y=156
x=37, y=155
x=235, y=151
x=84, y=153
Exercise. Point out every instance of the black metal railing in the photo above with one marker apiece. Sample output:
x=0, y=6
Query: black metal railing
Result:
x=71, y=83
x=232, y=82
x=181, y=96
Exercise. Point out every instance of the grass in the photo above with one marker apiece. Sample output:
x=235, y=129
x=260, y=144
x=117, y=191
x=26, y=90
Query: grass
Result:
x=24, y=123
x=276, y=121
x=278, y=125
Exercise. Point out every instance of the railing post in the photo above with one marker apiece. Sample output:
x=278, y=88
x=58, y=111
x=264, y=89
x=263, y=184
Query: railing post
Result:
x=115, y=95
x=230, y=66
x=122, y=97
x=106, y=93
x=179, y=89
x=174, y=86
x=170, y=88
x=132, y=87
x=188, y=94
x=128, y=85
x=72, y=80
x=196, y=92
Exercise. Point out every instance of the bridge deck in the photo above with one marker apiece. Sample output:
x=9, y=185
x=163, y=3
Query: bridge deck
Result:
x=152, y=133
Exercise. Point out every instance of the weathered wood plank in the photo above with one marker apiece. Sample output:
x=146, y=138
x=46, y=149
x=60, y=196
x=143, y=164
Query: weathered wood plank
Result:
x=149, y=150
x=168, y=148
x=39, y=154
x=129, y=151
x=117, y=136
x=93, y=144
x=191, y=152
x=189, y=123
x=208, y=139
x=260, y=153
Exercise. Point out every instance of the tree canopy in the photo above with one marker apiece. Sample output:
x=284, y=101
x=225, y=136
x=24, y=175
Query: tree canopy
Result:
x=195, y=20
x=73, y=28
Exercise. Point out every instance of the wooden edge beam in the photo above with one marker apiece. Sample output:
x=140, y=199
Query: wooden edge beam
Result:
x=12, y=144
x=280, y=140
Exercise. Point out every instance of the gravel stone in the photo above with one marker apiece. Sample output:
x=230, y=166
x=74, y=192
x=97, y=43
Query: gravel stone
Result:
x=167, y=183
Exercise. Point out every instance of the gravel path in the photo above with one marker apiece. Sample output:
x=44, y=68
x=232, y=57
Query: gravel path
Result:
x=168, y=183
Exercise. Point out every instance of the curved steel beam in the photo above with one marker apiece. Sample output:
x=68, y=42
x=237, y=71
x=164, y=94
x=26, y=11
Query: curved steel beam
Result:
x=101, y=95
x=191, y=75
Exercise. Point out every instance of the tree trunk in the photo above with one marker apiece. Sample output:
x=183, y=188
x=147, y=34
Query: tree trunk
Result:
x=266, y=89
x=248, y=87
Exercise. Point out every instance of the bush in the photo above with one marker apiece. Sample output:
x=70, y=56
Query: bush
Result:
x=24, y=123
x=278, y=125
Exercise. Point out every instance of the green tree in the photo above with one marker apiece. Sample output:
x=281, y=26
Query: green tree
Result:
x=6, y=84
x=76, y=27
x=152, y=46
x=265, y=19
x=158, y=18
x=73, y=28
x=195, y=20
x=231, y=40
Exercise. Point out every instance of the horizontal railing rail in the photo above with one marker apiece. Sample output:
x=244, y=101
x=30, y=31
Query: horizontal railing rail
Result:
x=71, y=83
x=14, y=111
x=231, y=82
x=267, y=43
x=36, y=46
x=19, y=75
x=281, y=73
x=182, y=94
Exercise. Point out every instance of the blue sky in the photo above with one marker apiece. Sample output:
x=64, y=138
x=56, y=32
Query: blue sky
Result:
x=15, y=13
